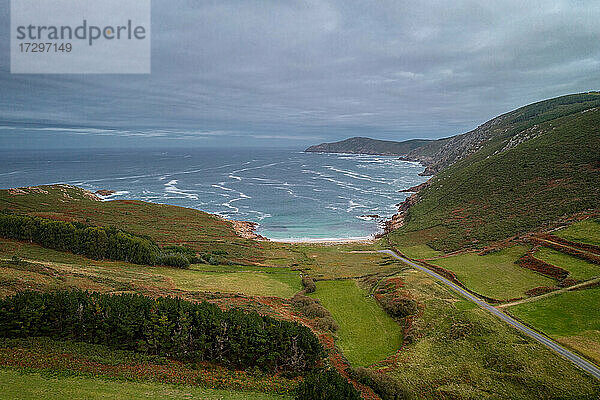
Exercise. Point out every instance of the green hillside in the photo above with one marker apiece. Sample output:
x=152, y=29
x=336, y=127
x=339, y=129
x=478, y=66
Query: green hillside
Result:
x=441, y=154
x=362, y=145
x=541, y=164
x=165, y=224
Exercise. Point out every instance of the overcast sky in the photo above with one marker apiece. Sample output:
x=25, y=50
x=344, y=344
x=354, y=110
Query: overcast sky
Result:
x=293, y=73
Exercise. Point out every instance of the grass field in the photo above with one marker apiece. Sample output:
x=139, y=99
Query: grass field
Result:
x=330, y=261
x=572, y=318
x=367, y=334
x=495, y=275
x=254, y=281
x=587, y=231
x=60, y=269
x=463, y=352
x=419, y=251
x=33, y=385
x=413, y=244
x=578, y=269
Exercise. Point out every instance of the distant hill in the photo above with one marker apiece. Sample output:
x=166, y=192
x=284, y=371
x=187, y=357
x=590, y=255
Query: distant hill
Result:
x=458, y=147
x=516, y=173
x=439, y=154
x=363, y=145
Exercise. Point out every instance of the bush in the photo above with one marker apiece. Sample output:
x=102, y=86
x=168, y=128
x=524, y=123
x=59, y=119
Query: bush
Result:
x=326, y=385
x=91, y=241
x=95, y=242
x=385, y=386
x=168, y=327
x=308, y=284
x=399, y=307
x=311, y=308
x=327, y=323
x=173, y=260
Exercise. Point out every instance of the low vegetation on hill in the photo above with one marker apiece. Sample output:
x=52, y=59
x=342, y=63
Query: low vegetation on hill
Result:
x=322, y=321
x=164, y=224
x=362, y=145
x=518, y=182
x=168, y=327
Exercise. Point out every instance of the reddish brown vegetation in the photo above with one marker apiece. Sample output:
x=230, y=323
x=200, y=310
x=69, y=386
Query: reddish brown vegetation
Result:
x=532, y=263
x=567, y=282
x=537, y=291
x=175, y=372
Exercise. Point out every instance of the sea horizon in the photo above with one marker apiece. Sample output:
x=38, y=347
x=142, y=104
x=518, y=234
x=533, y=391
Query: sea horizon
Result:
x=290, y=195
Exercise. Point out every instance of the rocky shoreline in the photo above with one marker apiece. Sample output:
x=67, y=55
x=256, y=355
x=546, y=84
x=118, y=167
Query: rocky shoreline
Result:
x=397, y=219
x=246, y=229
x=104, y=192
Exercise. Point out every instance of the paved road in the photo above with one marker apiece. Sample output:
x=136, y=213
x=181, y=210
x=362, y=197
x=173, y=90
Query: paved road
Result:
x=574, y=358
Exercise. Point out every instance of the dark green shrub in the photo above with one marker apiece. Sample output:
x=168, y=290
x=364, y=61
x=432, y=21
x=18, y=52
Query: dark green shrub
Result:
x=309, y=284
x=173, y=260
x=169, y=327
x=326, y=385
x=399, y=307
x=327, y=323
x=385, y=386
x=311, y=308
x=91, y=241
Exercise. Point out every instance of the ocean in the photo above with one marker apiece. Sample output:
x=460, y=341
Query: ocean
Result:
x=292, y=195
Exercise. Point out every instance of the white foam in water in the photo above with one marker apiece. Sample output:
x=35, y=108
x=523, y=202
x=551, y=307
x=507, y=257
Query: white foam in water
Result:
x=171, y=188
x=113, y=195
x=293, y=195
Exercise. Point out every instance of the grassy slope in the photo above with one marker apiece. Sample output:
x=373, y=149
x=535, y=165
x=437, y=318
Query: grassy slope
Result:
x=70, y=270
x=253, y=281
x=33, y=385
x=69, y=359
x=327, y=261
x=164, y=223
x=571, y=317
x=367, y=334
x=364, y=145
x=463, y=352
x=495, y=275
x=412, y=244
x=489, y=197
x=578, y=269
x=587, y=231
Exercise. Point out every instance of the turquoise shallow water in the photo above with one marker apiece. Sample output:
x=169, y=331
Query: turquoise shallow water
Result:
x=291, y=194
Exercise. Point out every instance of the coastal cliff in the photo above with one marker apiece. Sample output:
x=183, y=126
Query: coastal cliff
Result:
x=363, y=145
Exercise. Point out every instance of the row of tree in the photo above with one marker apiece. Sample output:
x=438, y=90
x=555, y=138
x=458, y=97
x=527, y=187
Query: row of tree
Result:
x=91, y=241
x=169, y=327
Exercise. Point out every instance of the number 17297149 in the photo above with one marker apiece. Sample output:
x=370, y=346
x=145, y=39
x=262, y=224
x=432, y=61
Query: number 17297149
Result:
x=41, y=47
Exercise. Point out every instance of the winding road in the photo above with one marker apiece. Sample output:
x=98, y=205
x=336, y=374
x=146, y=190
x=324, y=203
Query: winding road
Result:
x=574, y=358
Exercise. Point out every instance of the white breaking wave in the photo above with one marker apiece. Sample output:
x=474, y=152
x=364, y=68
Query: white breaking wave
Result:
x=171, y=188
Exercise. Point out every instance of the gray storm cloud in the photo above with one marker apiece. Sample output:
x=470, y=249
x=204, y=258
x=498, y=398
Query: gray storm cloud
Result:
x=323, y=70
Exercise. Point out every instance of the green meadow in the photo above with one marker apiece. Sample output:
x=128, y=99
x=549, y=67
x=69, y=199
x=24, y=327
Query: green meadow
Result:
x=367, y=334
x=495, y=275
